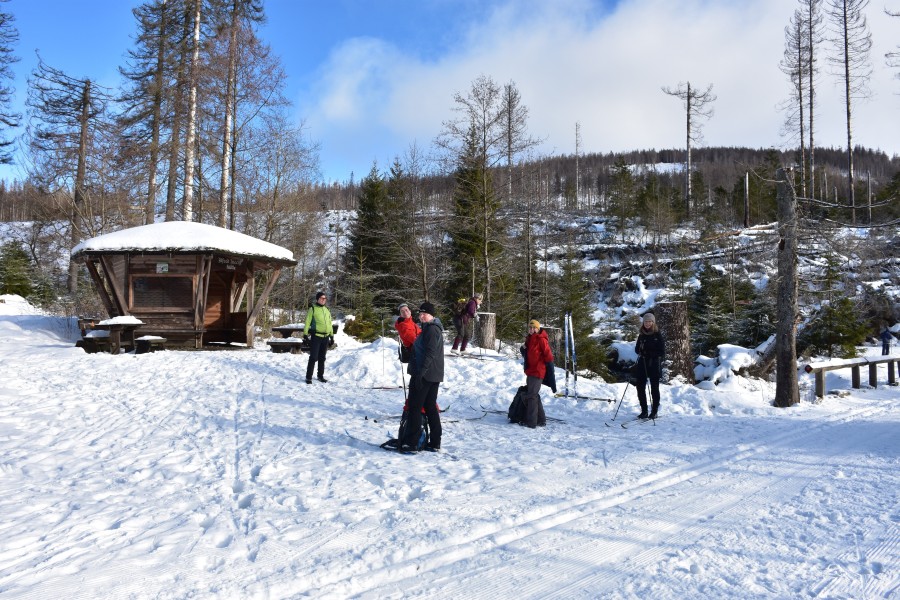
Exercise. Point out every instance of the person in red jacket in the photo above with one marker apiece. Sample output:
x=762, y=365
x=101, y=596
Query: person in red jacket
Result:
x=406, y=327
x=537, y=355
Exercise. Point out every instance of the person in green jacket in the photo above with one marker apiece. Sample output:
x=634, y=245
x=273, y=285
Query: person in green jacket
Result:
x=319, y=330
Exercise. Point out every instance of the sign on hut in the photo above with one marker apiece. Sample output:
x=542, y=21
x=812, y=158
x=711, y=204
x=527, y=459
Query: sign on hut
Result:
x=187, y=282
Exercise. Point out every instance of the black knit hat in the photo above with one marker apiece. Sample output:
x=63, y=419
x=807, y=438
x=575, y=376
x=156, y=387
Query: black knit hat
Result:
x=427, y=307
x=319, y=295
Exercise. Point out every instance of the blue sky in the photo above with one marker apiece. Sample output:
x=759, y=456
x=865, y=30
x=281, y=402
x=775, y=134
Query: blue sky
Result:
x=369, y=78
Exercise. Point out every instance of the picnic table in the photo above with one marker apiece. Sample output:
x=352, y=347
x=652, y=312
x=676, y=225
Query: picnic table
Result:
x=109, y=333
x=288, y=331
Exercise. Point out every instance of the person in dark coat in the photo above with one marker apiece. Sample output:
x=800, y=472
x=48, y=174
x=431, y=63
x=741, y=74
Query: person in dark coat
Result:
x=537, y=357
x=427, y=370
x=886, y=338
x=651, y=349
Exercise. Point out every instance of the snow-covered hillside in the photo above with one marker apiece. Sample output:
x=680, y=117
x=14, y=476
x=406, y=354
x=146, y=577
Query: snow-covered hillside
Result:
x=222, y=475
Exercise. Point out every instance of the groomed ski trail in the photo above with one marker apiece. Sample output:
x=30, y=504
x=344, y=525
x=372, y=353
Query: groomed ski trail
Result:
x=652, y=523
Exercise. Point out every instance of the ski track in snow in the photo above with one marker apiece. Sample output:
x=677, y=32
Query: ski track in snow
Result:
x=220, y=474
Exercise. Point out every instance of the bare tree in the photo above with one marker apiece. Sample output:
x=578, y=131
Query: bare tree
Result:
x=189, y=141
x=66, y=114
x=241, y=13
x=696, y=105
x=811, y=11
x=515, y=125
x=893, y=58
x=8, y=118
x=852, y=44
x=149, y=72
x=794, y=65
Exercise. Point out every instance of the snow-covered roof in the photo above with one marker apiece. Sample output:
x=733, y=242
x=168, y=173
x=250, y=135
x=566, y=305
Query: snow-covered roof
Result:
x=182, y=236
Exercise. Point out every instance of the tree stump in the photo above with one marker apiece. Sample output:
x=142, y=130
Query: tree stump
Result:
x=555, y=336
x=486, y=330
x=674, y=324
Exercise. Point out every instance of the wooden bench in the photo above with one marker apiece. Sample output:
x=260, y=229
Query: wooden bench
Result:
x=93, y=344
x=854, y=364
x=292, y=345
x=149, y=343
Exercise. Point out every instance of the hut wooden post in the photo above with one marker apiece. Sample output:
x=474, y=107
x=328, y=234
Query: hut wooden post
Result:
x=672, y=320
x=485, y=335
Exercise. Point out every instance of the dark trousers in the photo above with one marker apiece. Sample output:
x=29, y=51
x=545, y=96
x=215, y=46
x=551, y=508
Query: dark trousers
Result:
x=423, y=394
x=648, y=370
x=463, y=335
x=885, y=348
x=534, y=408
x=318, y=346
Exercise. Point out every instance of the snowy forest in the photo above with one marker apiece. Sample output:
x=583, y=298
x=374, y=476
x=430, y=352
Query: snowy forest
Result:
x=200, y=130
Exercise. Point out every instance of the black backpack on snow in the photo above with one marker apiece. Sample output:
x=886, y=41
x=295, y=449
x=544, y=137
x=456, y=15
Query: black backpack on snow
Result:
x=516, y=413
x=424, y=436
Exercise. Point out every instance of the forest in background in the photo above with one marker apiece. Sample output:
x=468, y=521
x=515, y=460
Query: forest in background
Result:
x=200, y=130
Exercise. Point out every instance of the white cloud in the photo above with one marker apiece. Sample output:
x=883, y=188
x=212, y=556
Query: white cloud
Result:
x=605, y=73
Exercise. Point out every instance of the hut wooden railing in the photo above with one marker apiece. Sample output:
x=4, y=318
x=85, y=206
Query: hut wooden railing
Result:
x=854, y=364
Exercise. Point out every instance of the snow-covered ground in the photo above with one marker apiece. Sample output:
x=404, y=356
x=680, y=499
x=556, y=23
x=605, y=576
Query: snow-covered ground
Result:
x=222, y=475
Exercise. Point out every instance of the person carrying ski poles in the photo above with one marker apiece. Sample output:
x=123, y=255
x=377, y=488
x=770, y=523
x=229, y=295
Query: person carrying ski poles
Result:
x=651, y=349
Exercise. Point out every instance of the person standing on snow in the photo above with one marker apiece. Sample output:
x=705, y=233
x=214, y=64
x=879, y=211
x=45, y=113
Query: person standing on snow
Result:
x=465, y=323
x=319, y=329
x=427, y=369
x=651, y=349
x=886, y=338
x=407, y=329
x=537, y=358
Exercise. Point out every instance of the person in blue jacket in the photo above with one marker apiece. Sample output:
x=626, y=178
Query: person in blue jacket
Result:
x=886, y=338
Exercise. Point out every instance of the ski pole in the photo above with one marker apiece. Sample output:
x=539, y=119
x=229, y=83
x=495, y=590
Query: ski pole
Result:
x=622, y=399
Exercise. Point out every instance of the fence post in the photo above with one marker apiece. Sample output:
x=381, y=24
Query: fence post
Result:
x=854, y=376
x=873, y=375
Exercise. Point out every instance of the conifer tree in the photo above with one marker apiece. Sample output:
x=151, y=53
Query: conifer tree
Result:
x=575, y=295
x=15, y=270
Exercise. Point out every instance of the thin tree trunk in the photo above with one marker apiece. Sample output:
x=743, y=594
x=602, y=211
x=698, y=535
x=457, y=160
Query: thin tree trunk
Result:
x=687, y=175
x=811, y=73
x=225, y=185
x=150, y=207
x=178, y=113
x=188, y=211
x=847, y=92
x=81, y=169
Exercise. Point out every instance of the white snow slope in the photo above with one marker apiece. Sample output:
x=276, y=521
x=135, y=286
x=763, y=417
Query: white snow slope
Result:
x=185, y=474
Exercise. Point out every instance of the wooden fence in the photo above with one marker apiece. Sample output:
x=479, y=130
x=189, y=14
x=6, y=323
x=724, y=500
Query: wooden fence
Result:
x=854, y=364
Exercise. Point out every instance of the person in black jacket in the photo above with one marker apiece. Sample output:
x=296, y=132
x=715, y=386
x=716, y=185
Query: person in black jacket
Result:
x=427, y=370
x=651, y=349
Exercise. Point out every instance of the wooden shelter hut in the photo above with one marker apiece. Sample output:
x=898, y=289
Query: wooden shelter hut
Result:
x=187, y=282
